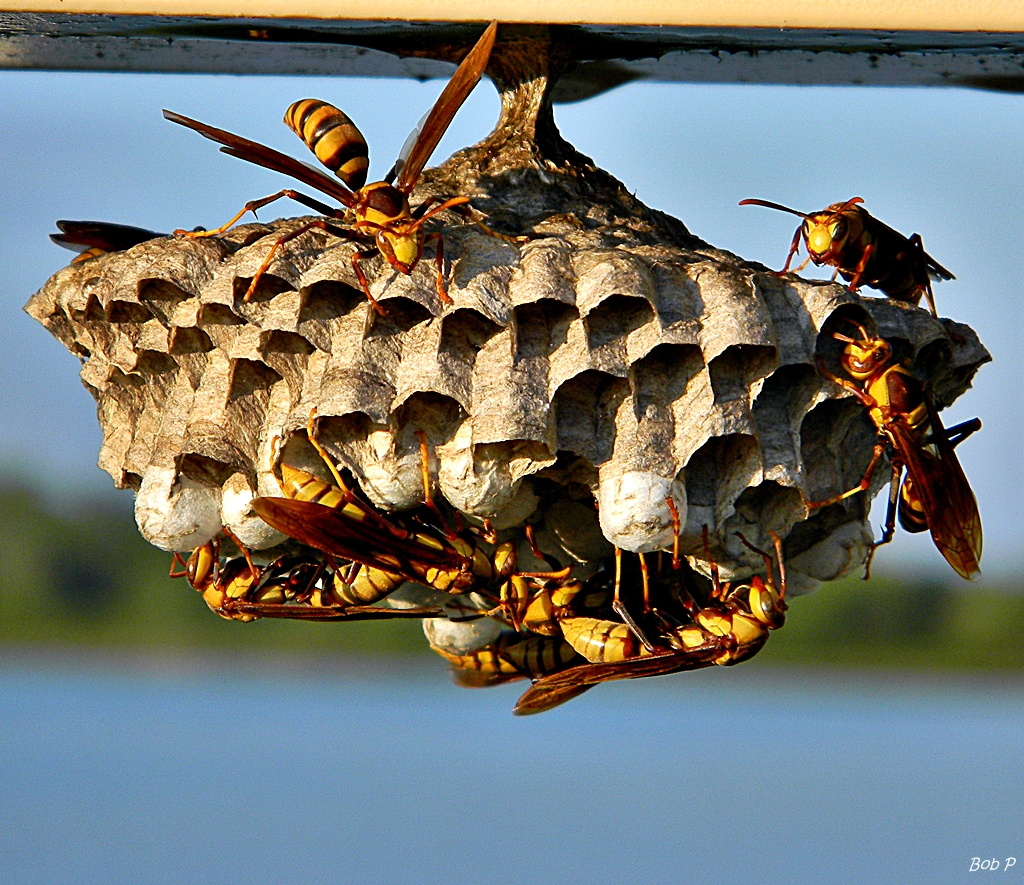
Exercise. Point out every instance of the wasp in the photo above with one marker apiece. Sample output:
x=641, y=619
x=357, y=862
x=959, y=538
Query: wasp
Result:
x=935, y=494
x=510, y=657
x=94, y=238
x=864, y=250
x=379, y=211
x=733, y=626
x=295, y=587
x=331, y=518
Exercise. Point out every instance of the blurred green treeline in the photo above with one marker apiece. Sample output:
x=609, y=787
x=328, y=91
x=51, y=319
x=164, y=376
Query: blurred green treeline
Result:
x=76, y=573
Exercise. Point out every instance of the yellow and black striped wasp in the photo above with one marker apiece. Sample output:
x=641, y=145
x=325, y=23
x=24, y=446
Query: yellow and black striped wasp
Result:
x=509, y=657
x=392, y=548
x=935, y=494
x=864, y=250
x=94, y=238
x=379, y=211
x=296, y=587
x=730, y=627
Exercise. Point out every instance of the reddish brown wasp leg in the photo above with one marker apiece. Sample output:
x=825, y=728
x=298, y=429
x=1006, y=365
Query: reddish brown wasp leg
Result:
x=356, y=258
x=716, y=582
x=862, y=486
x=803, y=264
x=854, y=284
x=960, y=432
x=420, y=214
x=176, y=560
x=315, y=443
x=676, y=531
x=621, y=610
x=792, y=251
x=284, y=238
x=918, y=244
x=470, y=214
x=889, y=532
x=253, y=205
x=438, y=241
x=646, y=578
x=254, y=570
x=768, y=564
x=864, y=399
x=428, y=498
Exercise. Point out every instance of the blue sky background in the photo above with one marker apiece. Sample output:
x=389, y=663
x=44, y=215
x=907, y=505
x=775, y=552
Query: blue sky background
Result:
x=944, y=163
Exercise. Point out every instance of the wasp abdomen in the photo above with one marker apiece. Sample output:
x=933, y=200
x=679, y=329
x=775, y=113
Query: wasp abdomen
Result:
x=333, y=137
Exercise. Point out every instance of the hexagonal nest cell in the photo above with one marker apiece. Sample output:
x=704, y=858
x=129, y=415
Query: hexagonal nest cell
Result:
x=611, y=358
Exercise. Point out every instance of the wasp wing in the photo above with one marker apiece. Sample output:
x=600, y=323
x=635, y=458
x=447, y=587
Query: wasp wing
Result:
x=329, y=530
x=550, y=691
x=445, y=108
x=261, y=155
x=331, y=612
x=945, y=494
x=81, y=235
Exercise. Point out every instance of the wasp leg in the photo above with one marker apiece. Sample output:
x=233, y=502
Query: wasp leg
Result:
x=253, y=205
x=362, y=256
x=918, y=244
x=176, y=560
x=254, y=571
x=634, y=627
x=793, y=247
x=864, y=399
x=428, y=498
x=438, y=240
x=767, y=559
x=677, y=529
x=890, y=517
x=716, y=581
x=854, y=283
x=960, y=432
x=862, y=486
x=646, y=578
x=284, y=238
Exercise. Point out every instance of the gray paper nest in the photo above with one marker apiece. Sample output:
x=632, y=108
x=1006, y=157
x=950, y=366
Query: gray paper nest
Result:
x=612, y=358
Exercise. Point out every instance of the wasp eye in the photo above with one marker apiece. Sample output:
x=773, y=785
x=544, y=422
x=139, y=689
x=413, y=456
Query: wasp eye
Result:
x=839, y=229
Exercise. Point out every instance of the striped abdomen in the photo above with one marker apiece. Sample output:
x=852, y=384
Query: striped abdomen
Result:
x=333, y=137
x=601, y=641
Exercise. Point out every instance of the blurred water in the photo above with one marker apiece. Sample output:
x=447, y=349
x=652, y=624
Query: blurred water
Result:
x=125, y=772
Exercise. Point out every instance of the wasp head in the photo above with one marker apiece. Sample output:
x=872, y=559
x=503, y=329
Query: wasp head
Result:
x=826, y=233
x=766, y=604
x=865, y=356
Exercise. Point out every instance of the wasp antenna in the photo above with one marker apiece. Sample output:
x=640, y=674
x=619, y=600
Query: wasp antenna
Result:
x=782, y=565
x=846, y=339
x=769, y=205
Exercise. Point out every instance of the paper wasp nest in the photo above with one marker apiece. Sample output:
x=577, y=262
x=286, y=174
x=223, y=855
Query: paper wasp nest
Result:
x=612, y=357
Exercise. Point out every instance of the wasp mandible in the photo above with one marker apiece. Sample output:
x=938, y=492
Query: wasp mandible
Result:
x=733, y=626
x=935, y=494
x=864, y=250
x=379, y=211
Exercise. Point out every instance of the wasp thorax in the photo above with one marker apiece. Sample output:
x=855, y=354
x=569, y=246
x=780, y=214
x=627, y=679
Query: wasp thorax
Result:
x=386, y=200
x=333, y=137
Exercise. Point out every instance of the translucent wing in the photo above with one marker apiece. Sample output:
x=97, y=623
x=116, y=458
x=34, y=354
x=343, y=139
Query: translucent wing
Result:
x=945, y=494
x=327, y=529
x=445, y=108
x=261, y=155
x=550, y=691
x=81, y=235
